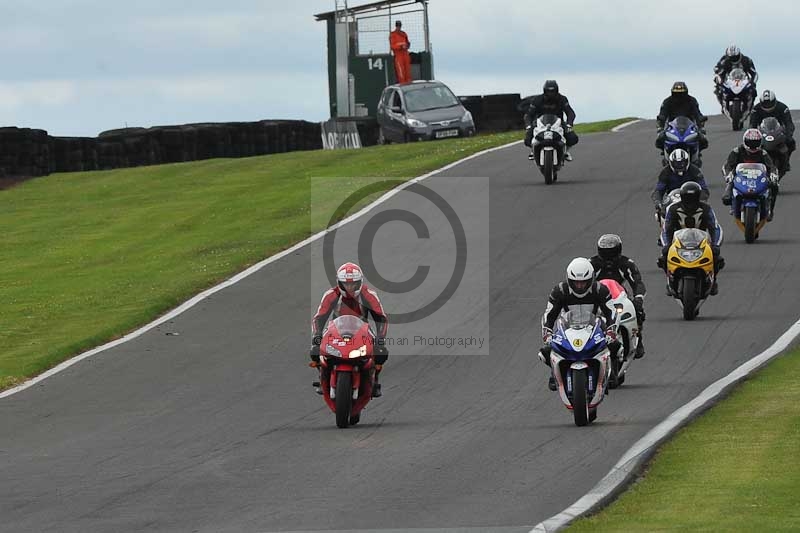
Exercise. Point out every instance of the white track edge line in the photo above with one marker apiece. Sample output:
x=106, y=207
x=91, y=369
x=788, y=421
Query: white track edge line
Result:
x=631, y=461
x=241, y=275
x=624, y=125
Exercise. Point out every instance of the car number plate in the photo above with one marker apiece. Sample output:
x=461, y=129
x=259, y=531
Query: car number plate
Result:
x=441, y=134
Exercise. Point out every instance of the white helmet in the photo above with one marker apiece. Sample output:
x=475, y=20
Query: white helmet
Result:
x=679, y=161
x=580, y=275
x=733, y=53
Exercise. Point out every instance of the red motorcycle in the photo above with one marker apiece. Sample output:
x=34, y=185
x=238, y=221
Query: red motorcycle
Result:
x=348, y=368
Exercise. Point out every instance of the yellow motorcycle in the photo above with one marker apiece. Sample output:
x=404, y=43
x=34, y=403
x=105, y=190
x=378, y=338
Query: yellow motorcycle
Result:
x=690, y=269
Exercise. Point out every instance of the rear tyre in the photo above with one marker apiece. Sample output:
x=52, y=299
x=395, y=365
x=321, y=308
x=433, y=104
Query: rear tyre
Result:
x=344, y=398
x=749, y=224
x=580, y=404
x=689, y=298
x=736, y=118
x=613, y=380
x=548, y=168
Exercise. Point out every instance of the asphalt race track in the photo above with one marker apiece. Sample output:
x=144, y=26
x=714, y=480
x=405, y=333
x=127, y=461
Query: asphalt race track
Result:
x=214, y=426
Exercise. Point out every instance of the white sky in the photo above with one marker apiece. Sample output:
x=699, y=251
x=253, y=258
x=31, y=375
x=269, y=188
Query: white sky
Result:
x=78, y=67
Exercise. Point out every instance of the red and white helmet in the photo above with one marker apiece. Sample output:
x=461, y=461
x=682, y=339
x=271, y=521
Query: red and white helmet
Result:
x=350, y=278
x=752, y=140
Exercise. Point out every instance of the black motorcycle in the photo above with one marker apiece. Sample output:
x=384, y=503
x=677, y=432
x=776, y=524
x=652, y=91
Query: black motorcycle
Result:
x=773, y=140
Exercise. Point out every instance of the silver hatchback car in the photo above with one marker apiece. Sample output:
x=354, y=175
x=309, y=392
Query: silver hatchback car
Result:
x=421, y=110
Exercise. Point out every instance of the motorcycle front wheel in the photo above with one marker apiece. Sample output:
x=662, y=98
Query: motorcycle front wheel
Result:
x=548, y=169
x=580, y=402
x=344, y=398
x=689, y=298
x=749, y=224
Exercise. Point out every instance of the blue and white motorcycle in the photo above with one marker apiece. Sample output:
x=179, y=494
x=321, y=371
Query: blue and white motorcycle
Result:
x=751, y=198
x=581, y=362
x=682, y=132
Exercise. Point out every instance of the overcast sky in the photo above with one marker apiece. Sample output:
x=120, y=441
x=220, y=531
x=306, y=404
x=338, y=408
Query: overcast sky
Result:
x=78, y=67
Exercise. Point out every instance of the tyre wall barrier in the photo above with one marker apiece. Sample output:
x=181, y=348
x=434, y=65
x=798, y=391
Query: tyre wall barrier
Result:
x=26, y=152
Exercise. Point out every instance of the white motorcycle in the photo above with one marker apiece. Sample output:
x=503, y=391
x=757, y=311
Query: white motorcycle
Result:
x=627, y=327
x=549, y=145
x=738, y=91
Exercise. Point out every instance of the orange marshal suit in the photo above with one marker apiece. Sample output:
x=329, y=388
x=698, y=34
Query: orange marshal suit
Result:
x=399, y=43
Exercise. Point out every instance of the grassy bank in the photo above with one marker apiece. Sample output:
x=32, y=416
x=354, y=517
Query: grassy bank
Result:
x=734, y=469
x=89, y=256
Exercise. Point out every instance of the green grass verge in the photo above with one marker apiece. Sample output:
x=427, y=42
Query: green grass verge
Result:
x=89, y=256
x=734, y=469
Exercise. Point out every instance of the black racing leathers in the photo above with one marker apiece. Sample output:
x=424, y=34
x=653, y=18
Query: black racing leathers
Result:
x=561, y=299
x=781, y=112
x=680, y=106
x=740, y=154
x=621, y=269
x=668, y=181
x=723, y=68
x=557, y=105
x=726, y=64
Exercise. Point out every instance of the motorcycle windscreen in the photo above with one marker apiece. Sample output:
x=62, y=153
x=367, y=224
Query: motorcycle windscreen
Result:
x=770, y=125
x=348, y=325
x=682, y=124
x=751, y=171
x=549, y=120
x=737, y=74
x=691, y=238
x=579, y=316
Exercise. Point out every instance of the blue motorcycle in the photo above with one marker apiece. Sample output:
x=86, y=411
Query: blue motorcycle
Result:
x=682, y=132
x=581, y=362
x=751, y=198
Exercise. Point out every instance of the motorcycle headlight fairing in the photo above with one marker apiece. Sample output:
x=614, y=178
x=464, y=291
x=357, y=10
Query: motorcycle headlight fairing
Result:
x=690, y=255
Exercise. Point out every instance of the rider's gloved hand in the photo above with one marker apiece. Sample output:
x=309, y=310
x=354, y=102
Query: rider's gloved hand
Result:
x=774, y=178
x=547, y=335
x=381, y=352
x=611, y=336
x=544, y=354
x=718, y=79
x=316, y=340
x=638, y=304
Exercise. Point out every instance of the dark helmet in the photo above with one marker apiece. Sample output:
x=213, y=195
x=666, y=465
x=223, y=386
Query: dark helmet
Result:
x=679, y=89
x=550, y=88
x=690, y=194
x=679, y=161
x=752, y=140
x=768, y=100
x=609, y=247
